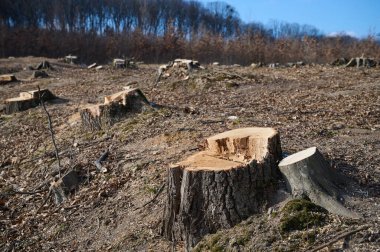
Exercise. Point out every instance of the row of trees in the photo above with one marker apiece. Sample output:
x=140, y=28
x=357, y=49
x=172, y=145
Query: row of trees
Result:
x=159, y=30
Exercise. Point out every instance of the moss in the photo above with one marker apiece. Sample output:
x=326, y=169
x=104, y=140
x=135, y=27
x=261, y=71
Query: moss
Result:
x=232, y=85
x=151, y=189
x=217, y=248
x=211, y=244
x=6, y=117
x=309, y=237
x=242, y=240
x=300, y=214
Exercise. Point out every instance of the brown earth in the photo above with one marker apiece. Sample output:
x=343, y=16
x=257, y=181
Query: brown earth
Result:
x=336, y=109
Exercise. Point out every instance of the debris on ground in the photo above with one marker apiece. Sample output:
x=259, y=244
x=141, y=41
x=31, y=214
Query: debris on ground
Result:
x=333, y=108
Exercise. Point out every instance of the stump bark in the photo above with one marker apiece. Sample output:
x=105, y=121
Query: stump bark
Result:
x=115, y=107
x=219, y=187
x=308, y=174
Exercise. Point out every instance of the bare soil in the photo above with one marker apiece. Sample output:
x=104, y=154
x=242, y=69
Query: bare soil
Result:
x=336, y=109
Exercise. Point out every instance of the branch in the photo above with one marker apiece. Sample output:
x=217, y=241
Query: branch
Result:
x=51, y=131
x=339, y=237
x=102, y=158
x=13, y=192
x=154, y=198
x=46, y=199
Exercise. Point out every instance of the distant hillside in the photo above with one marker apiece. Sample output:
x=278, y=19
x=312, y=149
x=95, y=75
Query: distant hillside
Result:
x=159, y=30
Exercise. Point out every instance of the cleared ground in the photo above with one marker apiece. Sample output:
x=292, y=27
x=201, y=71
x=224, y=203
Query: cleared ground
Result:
x=335, y=109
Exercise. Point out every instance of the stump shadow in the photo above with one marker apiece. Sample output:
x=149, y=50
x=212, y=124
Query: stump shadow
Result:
x=355, y=185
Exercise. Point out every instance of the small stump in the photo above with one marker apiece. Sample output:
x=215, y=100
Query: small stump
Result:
x=221, y=186
x=39, y=74
x=44, y=65
x=71, y=59
x=64, y=186
x=308, y=174
x=27, y=100
x=7, y=78
x=119, y=63
x=114, y=108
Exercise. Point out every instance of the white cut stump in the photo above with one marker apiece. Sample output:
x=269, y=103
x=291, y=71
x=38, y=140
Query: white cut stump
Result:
x=308, y=174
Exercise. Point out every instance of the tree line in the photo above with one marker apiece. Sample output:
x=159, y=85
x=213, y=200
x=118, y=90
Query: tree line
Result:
x=160, y=30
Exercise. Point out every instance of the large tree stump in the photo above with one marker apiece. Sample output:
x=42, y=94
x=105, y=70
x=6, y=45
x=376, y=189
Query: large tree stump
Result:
x=27, y=100
x=308, y=174
x=219, y=187
x=115, y=107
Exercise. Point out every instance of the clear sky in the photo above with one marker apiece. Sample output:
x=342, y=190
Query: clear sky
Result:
x=354, y=17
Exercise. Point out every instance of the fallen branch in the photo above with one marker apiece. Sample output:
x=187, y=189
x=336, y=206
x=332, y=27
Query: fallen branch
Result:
x=51, y=130
x=154, y=198
x=46, y=199
x=102, y=158
x=98, y=226
x=339, y=237
x=13, y=192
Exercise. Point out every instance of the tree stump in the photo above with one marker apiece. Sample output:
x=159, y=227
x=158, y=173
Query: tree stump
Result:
x=71, y=59
x=339, y=62
x=361, y=62
x=39, y=74
x=119, y=63
x=115, y=107
x=308, y=174
x=27, y=100
x=44, y=65
x=64, y=186
x=43, y=94
x=7, y=78
x=219, y=187
x=13, y=105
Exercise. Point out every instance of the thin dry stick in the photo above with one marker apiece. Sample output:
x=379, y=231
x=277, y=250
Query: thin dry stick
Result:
x=13, y=192
x=154, y=198
x=51, y=131
x=46, y=199
x=339, y=237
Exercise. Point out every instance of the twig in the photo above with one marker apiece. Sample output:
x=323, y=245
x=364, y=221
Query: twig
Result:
x=154, y=198
x=13, y=192
x=51, y=130
x=46, y=199
x=102, y=158
x=339, y=237
x=98, y=226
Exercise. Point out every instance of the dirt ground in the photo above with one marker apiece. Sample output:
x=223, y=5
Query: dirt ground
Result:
x=335, y=109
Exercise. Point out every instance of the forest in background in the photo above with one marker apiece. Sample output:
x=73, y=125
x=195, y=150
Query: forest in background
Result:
x=156, y=31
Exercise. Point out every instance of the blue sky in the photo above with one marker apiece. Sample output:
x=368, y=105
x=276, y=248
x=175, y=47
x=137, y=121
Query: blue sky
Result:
x=354, y=17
